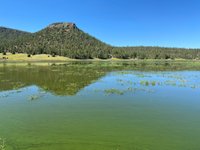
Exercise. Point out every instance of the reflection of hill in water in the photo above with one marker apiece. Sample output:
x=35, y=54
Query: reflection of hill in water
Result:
x=61, y=80
x=69, y=78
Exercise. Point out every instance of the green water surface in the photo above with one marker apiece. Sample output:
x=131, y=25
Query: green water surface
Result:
x=93, y=106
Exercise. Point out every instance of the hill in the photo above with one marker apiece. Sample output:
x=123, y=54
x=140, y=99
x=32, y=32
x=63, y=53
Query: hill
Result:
x=63, y=39
x=10, y=36
x=66, y=39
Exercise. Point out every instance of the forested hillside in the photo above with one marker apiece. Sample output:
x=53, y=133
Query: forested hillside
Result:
x=66, y=39
x=10, y=37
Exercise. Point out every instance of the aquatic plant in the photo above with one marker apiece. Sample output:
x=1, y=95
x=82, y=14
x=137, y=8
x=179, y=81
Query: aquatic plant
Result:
x=182, y=85
x=193, y=86
x=97, y=90
x=18, y=85
x=33, y=97
x=140, y=75
x=146, y=83
x=36, y=97
x=153, y=83
x=2, y=144
x=170, y=83
x=4, y=95
x=114, y=91
x=45, y=88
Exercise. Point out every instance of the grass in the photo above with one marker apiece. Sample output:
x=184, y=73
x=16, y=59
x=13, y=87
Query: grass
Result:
x=2, y=144
x=130, y=64
x=34, y=58
x=18, y=57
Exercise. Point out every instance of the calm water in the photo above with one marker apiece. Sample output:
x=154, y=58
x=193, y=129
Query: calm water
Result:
x=92, y=106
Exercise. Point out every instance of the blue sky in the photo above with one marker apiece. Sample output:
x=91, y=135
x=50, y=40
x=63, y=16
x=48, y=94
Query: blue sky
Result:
x=169, y=23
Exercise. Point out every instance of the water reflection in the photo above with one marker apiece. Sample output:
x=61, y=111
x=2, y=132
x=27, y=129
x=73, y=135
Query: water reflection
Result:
x=70, y=78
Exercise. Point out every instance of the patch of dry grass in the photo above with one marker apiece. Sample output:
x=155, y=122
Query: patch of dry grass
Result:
x=33, y=58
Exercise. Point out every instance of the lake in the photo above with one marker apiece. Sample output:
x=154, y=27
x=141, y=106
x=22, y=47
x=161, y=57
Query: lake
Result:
x=99, y=106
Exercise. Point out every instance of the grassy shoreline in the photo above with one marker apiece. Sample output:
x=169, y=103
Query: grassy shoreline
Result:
x=128, y=64
x=17, y=58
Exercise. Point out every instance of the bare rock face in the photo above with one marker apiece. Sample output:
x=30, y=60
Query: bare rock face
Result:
x=63, y=25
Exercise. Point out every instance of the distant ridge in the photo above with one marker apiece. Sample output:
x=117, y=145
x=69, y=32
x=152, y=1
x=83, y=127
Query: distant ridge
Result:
x=11, y=34
x=66, y=39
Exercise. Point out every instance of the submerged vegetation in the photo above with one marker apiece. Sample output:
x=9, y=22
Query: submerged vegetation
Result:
x=147, y=83
x=114, y=91
x=66, y=39
x=101, y=106
x=2, y=144
x=34, y=97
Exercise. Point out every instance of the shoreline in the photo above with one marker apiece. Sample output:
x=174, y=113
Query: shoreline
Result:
x=45, y=58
